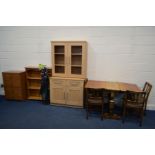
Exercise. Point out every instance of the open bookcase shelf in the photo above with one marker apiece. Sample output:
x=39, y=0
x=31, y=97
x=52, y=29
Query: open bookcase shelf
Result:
x=33, y=78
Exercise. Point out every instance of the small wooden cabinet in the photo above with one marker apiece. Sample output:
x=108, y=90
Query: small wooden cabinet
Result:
x=66, y=91
x=15, y=85
x=33, y=78
x=69, y=58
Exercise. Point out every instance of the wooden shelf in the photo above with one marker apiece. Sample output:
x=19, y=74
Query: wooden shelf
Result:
x=34, y=98
x=34, y=87
x=35, y=68
x=77, y=54
x=34, y=78
x=59, y=53
x=60, y=65
x=76, y=65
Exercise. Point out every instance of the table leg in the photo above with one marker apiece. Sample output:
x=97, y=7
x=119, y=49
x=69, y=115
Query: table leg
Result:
x=111, y=107
x=110, y=114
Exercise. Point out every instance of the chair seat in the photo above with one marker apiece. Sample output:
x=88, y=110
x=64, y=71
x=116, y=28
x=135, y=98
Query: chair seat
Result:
x=95, y=101
x=134, y=100
x=134, y=105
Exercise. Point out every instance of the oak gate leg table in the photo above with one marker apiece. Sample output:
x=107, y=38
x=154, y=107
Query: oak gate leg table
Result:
x=112, y=87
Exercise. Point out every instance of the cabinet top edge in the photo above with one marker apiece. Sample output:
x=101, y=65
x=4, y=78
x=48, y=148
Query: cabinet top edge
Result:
x=14, y=71
x=35, y=67
x=68, y=41
x=67, y=78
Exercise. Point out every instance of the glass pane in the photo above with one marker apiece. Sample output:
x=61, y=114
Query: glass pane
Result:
x=59, y=49
x=59, y=59
x=59, y=69
x=76, y=50
x=76, y=60
x=76, y=70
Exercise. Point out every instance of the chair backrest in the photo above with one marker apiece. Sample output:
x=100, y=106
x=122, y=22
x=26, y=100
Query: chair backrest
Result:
x=147, y=89
x=95, y=93
x=135, y=97
x=94, y=96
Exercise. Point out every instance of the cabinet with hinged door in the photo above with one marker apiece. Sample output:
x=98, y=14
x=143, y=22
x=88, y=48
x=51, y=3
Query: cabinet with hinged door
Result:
x=66, y=91
x=15, y=85
x=69, y=58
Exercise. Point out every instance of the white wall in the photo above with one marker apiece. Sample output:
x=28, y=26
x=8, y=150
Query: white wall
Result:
x=114, y=53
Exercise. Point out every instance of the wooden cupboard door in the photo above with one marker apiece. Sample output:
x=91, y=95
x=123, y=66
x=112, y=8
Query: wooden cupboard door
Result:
x=18, y=94
x=7, y=79
x=8, y=93
x=57, y=91
x=75, y=92
x=75, y=96
x=77, y=59
x=15, y=93
x=59, y=59
x=58, y=95
x=16, y=80
x=13, y=79
x=14, y=84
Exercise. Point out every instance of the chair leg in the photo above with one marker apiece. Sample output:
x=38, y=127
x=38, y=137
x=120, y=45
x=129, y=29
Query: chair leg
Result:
x=145, y=109
x=87, y=113
x=124, y=115
x=87, y=110
x=141, y=117
x=102, y=112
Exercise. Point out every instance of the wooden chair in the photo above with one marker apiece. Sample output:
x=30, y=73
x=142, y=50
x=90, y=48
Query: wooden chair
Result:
x=94, y=100
x=147, y=89
x=137, y=103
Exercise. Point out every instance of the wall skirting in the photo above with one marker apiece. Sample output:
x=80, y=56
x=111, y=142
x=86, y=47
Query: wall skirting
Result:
x=151, y=107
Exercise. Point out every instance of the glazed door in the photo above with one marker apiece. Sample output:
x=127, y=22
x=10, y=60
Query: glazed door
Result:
x=77, y=60
x=59, y=62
